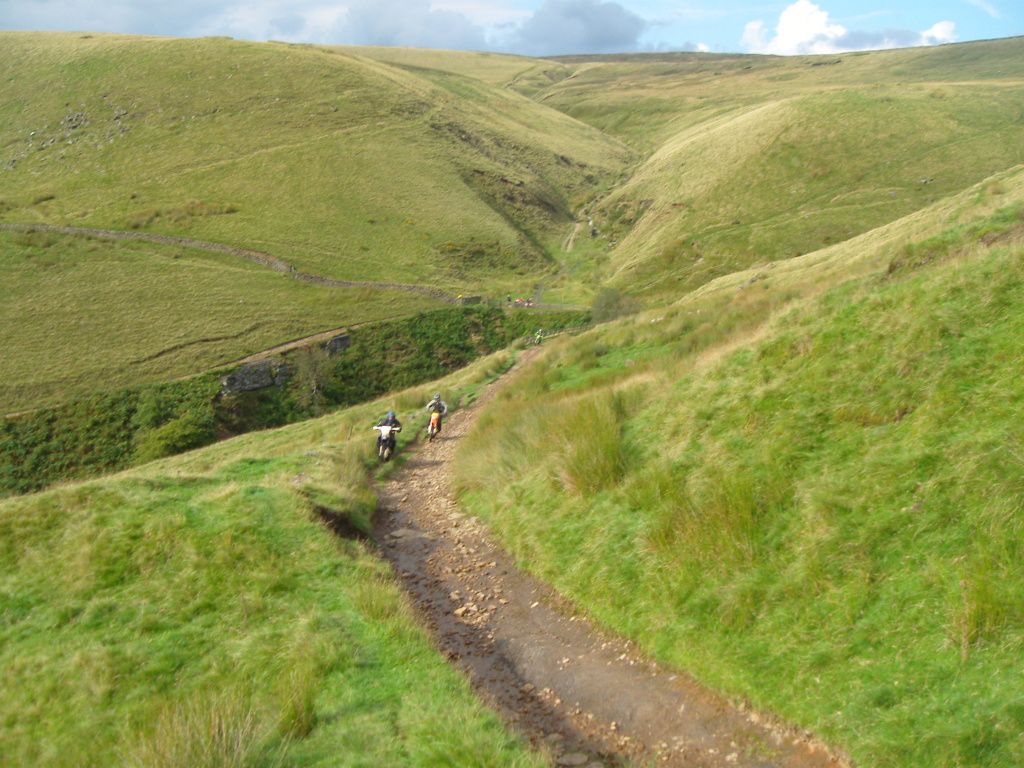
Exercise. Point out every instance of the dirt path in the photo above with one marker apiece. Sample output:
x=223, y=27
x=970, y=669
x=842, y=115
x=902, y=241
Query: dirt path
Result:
x=256, y=257
x=591, y=698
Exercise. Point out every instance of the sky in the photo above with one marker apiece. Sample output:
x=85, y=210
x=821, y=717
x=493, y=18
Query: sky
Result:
x=545, y=27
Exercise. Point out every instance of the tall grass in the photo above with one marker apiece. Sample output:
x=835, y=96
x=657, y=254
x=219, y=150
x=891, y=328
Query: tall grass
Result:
x=825, y=519
x=221, y=733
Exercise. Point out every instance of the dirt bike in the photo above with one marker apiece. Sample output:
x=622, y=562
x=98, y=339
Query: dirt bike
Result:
x=386, y=441
x=435, y=425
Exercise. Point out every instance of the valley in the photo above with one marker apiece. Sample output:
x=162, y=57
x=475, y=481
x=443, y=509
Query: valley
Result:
x=779, y=459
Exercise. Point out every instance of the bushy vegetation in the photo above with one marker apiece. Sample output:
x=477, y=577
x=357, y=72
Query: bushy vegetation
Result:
x=823, y=517
x=111, y=431
x=197, y=612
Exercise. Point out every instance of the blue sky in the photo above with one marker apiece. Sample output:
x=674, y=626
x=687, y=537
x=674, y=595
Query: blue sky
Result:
x=539, y=27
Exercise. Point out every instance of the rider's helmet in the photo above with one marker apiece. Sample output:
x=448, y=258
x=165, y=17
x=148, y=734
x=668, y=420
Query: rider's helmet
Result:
x=437, y=396
x=390, y=414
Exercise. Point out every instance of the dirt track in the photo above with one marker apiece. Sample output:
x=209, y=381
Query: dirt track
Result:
x=256, y=257
x=591, y=698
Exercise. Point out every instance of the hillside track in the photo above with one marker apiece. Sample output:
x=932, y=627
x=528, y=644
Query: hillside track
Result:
x=256, y=257
x=590, y=698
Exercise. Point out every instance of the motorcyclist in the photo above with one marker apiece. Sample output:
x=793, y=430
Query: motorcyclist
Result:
x=438, y=406
x=538, y=337
x=389, y=420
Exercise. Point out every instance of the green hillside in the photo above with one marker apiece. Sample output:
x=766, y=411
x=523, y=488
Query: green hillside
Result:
x=203, y=614
x=492, y=68
x=810, y=479
x=752, y=159
x=794, y=472
x=336, y=163
x=83, y=314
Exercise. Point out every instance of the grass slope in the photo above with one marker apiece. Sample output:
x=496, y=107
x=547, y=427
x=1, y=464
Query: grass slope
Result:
x=82, y=315
x=202, y=614
x=342, y=165
x=339, y=164
x=496, y=69
x=818, y=512
x=753, y=159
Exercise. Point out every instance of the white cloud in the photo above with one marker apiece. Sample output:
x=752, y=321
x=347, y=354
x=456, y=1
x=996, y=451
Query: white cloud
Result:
x=487, y=13
x=409, y=23
x=805, y=28
x=703, y=47
x=987, y=7
x=941, y=32
x=557, y=26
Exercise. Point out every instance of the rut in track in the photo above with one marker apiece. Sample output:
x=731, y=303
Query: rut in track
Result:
x=592, y=699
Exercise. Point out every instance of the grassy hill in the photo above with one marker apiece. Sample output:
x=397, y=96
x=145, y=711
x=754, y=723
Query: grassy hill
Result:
x=339, y=165
x=82, y=315
x=204, y=615
x=809, y=477
x=495, y=69
x=751, y=159
x=472, y=172
x=803, y=459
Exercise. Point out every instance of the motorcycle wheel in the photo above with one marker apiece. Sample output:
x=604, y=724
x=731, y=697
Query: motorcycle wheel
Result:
x=385, y=453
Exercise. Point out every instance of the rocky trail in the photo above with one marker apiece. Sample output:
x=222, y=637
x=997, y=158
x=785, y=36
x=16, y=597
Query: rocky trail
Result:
x=589, y=698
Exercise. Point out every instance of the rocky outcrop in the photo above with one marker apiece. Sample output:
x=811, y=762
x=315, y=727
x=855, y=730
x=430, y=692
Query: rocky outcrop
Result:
x=338, y=343
x=259, y=375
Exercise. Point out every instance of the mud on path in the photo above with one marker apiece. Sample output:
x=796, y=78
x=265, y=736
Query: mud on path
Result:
x=590, y=698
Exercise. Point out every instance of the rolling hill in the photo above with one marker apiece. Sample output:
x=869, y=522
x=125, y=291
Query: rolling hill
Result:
x=794, y=473
x=365, y=170
x=808, y=475
x=753, y=159
x=331, y=162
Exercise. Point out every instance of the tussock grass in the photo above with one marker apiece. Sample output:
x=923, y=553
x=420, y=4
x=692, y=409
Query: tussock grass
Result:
x=204, y=734
x=819, y=508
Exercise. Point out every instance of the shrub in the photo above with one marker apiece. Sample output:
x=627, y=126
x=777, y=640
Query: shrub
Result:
x=191, y=430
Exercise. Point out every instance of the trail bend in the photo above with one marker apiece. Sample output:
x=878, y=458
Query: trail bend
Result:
x=590, y=698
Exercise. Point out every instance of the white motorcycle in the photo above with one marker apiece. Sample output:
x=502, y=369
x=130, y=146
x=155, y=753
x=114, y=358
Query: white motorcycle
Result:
x=386, y=441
